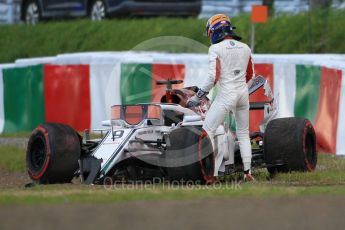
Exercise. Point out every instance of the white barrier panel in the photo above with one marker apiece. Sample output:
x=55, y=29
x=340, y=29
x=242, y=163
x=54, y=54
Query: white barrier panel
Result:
x=285, y=87
x=326, y=60
x=341, y=120
x=195, y=70
x=105, y=81
x=34, y=61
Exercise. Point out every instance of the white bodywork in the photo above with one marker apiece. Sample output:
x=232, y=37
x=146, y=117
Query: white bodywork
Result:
x=123, y=141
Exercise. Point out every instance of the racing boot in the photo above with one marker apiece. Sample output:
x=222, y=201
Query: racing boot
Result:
x=248, y=177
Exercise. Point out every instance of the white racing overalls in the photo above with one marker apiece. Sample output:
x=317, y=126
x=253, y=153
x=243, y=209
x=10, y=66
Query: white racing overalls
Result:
x=230, y=64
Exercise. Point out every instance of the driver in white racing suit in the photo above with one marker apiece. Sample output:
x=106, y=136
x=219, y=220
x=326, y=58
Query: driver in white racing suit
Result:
x=230, y=63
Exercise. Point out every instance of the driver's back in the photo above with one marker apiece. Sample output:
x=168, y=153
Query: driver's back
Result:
x=233, y=57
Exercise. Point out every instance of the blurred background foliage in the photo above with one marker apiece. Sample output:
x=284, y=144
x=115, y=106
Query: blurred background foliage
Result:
x=317, y=31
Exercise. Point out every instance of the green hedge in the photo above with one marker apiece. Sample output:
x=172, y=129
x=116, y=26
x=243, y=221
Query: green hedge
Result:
x=316, y=32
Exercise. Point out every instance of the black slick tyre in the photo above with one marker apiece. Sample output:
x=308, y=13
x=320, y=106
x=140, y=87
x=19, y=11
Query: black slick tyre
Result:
x=52, y=154
x=189, y=156
x=290, y=145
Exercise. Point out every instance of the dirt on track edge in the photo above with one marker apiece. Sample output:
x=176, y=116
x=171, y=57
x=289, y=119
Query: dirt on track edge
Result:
x=315, y=212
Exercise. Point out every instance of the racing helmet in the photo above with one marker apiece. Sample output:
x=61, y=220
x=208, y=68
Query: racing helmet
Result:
x=218, y=27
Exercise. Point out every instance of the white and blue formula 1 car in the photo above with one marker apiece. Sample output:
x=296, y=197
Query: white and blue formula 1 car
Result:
x=165, y=140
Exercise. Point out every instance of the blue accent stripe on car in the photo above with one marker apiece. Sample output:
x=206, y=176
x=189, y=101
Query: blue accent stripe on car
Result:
x=106, y=169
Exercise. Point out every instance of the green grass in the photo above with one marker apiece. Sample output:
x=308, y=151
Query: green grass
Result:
x=12, y=159
x=97, y=194
x=330, y=171
x=46, y=39
x=328, y=179
x=15, y=135
x=317, y=32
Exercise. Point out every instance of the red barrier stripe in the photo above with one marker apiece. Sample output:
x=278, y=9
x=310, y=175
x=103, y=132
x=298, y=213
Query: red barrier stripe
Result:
x=165, y=72
x=67, y=95
x=256, y=116
x=326, y=120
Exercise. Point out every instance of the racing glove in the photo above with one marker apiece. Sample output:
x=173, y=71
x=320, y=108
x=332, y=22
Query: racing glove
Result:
x=195, y=100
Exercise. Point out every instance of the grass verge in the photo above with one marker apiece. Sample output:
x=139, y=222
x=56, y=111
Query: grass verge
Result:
x=328, y=179
x=15, y=135
x=97, y=194
x=12, y=159
x=320, y=31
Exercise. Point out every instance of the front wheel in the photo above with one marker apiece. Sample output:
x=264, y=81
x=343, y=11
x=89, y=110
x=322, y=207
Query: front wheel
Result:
x=98, y=10
x=189, y=156
x=52, y=154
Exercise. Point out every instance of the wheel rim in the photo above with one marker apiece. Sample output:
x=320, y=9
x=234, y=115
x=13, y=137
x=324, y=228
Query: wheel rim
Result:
x=38, y=155
x=32, y=14
x=310, y=152
x=98, y=11
x=206, y=163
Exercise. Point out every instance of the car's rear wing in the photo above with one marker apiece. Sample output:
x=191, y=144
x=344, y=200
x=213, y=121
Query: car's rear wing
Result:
x=257, y=83
x=269, y=107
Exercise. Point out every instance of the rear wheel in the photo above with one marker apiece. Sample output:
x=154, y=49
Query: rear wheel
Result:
x=290, y=145
x=190, y=157
x=53, y=153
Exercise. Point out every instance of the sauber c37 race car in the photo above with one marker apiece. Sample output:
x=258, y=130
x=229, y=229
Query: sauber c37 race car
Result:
x=165, y=140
